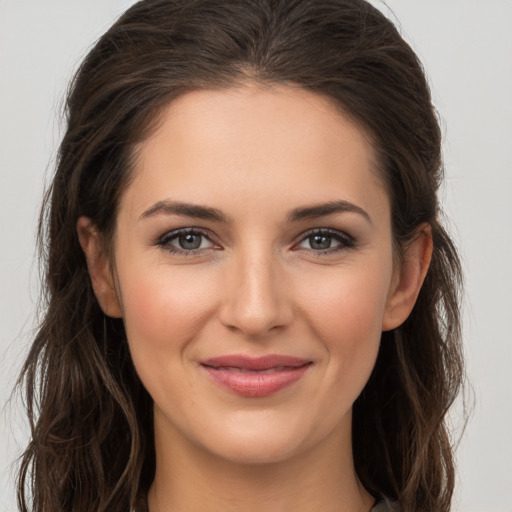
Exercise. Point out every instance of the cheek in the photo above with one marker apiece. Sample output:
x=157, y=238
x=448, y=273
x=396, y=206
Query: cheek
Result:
x=163, y=310
x=346, y=309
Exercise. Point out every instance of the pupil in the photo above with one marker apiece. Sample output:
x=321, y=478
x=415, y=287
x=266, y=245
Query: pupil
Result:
x=320, y=242
x=190, y=241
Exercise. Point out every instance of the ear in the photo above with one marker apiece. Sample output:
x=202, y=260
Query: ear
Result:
x=408, y=278
x=99, y=267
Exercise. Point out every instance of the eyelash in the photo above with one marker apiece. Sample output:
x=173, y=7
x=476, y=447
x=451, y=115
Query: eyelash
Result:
x=345, y=241
x=165, y=241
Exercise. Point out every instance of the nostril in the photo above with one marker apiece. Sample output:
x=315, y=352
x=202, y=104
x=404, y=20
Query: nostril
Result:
x=254, y=322
x=254, y=300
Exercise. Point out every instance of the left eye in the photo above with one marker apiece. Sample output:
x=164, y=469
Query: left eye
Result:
x=185, y=241
x=326, y=241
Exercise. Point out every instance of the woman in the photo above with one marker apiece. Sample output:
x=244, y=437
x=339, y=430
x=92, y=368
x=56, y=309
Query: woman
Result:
x=252, y=304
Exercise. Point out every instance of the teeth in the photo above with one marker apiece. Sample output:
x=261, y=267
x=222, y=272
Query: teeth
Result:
x=244, y=370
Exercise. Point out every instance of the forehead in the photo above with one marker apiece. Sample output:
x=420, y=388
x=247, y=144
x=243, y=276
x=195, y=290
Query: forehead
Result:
x=212, y=144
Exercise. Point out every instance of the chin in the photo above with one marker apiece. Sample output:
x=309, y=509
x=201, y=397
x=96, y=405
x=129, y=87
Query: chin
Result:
x=252, y=442
x=256, y=450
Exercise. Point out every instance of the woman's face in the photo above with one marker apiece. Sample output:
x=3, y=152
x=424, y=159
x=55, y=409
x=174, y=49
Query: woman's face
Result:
x=254, y=271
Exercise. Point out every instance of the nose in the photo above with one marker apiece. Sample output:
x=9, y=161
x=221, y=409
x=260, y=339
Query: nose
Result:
x=255, y=300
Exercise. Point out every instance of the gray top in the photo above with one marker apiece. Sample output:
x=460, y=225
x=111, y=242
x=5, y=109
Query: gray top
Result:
x=385, y=506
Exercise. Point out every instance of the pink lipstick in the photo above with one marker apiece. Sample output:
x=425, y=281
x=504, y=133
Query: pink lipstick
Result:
x=255, y=376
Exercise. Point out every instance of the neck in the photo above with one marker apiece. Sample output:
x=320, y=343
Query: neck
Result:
x=193, y=479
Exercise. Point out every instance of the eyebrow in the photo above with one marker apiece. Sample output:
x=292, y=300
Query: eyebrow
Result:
x=321, y=210
x=187, y=209
x=169, y=207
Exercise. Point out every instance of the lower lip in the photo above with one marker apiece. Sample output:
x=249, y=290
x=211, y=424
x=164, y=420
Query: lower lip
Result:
x=256, y=384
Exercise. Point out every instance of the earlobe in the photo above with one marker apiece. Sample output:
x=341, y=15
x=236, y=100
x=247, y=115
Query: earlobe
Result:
x=99, y=267
x=408, y=279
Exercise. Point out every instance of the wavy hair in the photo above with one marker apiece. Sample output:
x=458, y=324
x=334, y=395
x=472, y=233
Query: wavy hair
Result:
x=92, y=444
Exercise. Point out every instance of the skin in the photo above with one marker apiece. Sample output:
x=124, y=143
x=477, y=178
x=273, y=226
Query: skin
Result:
x=257, y=285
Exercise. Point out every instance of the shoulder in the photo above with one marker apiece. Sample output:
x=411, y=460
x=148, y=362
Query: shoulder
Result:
x=385, y=505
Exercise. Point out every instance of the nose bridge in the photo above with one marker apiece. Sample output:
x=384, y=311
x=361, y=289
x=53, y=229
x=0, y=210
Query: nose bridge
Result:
x=255, y=301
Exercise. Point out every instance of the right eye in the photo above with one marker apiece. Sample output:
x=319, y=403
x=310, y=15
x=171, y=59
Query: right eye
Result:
x=186, y=241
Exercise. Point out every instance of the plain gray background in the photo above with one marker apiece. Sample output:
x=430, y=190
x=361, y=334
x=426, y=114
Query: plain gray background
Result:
x=466, y=47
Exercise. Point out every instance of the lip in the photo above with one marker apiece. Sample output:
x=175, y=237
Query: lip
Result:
x=255, y=376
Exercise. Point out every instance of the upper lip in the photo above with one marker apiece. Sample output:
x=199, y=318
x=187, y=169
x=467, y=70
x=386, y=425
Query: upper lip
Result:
x=244, y=362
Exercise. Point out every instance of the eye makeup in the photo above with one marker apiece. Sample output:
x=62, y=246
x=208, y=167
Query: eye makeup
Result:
x=193, y=241
x=325, y=241
x=187, y=241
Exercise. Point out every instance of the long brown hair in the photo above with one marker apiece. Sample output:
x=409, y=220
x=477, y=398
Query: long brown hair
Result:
x=92, y=446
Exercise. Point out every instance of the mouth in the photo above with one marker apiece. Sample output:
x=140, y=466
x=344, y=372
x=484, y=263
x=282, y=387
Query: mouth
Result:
x=254, y=377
